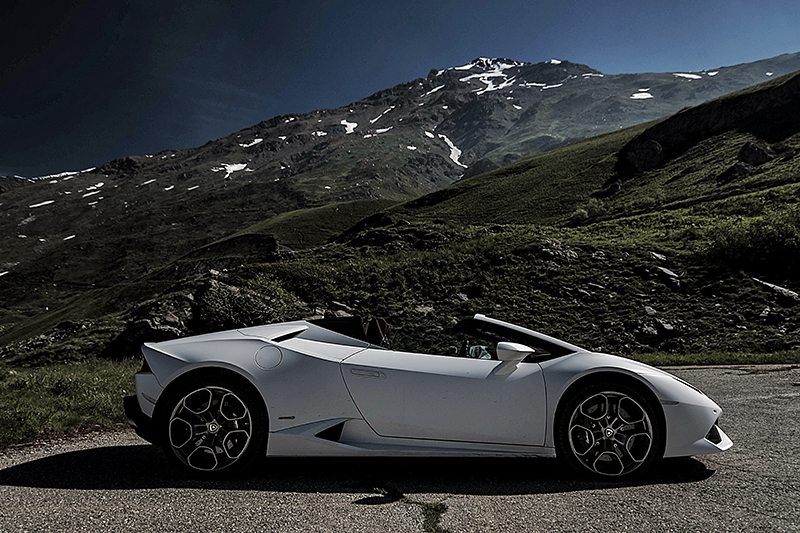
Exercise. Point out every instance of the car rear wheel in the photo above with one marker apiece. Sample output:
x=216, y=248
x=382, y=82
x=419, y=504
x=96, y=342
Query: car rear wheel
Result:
x=213, y=426
x=608, y=430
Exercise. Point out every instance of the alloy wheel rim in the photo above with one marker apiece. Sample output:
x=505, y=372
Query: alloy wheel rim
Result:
x=610, y=433
x=210, y=428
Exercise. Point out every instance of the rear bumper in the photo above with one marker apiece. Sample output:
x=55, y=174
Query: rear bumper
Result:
x=142, y=423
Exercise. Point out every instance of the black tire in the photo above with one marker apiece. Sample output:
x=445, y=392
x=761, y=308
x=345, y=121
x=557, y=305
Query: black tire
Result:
x=608, y=430
x=212, y=426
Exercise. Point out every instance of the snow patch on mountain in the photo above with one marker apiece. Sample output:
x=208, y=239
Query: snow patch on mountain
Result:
x=374, y=120
x=59, y=175
x=435, y=89
x=65, y=175
x=687, y=76
x=349, y=127
x=486, y=63
x=492, y=71
x=455, y=153
x=468, y=66
x=248, y=145
x=229, y=168
x=41, y=204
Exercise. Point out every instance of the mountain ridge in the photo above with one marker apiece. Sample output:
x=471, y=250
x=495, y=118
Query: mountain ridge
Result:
x=130, y=217
x=479, y=77
x=683, y=255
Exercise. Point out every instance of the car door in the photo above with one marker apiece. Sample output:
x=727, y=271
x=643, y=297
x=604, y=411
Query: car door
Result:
x=448, y=398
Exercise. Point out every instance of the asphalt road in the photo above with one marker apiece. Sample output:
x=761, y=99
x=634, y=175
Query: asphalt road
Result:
x=116, y=482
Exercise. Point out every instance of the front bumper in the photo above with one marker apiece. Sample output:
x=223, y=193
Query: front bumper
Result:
x=142, y=423
x=694, y=430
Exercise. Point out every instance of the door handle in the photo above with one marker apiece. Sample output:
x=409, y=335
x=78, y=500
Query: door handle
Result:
x=367, y=373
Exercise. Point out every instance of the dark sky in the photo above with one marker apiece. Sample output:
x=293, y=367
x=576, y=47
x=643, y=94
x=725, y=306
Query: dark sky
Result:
x=84, y=82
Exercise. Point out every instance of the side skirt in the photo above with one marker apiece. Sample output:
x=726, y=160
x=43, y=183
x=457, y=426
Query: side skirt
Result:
x=353, y=437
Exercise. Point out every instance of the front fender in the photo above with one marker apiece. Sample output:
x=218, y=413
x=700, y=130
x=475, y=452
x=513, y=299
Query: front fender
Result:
x=689, y=415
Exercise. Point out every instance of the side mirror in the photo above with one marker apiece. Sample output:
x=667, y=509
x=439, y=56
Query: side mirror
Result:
x=512, y=351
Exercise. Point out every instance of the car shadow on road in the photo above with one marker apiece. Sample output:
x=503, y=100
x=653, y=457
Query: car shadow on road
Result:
x=144, y=467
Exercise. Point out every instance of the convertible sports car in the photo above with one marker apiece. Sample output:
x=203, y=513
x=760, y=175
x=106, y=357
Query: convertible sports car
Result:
x=330, y=387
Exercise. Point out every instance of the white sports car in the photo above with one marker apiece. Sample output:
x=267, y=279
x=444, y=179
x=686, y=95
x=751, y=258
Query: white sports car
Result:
x=216, y=402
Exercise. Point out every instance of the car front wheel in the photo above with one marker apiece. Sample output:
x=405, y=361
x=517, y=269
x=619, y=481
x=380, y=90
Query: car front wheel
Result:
x=213, y=427
x=608, y=430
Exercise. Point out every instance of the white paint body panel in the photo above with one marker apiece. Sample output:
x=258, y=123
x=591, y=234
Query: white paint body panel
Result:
x=448, y=398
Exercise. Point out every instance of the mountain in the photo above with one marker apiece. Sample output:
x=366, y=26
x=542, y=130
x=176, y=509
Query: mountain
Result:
x=138, y=225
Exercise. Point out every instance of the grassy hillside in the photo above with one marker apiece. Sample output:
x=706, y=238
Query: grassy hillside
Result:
x=307, y=228
x=543, y=189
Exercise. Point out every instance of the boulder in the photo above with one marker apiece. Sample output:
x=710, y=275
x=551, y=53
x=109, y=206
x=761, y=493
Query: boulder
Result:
x=784, y=295
x=737, y=171
x=137, y=332
x=644, y=155
x=665, y=329
x=669, y=277
x=755, y=154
